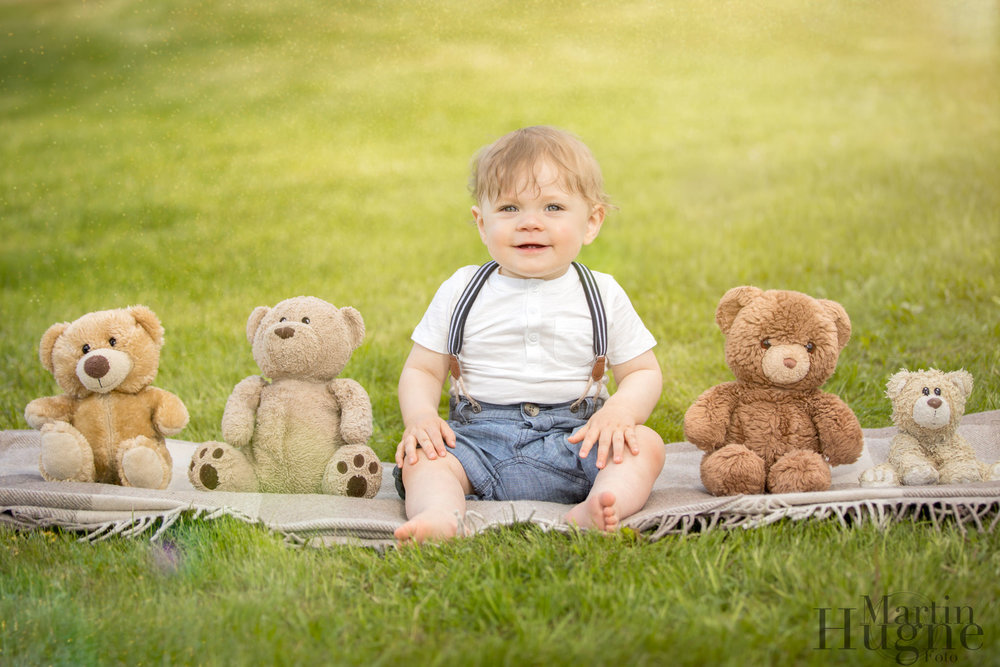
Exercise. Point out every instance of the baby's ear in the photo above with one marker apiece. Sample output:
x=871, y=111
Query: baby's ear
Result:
x=894, y=387
x=253, y=323
x=961, y=379
x=48, y=344
x=732, y=303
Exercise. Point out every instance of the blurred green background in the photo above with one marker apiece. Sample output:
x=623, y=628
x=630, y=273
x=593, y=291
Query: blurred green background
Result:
x=204, y=158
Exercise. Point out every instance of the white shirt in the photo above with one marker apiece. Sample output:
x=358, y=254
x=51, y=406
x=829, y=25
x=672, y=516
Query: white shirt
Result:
x=532, y=340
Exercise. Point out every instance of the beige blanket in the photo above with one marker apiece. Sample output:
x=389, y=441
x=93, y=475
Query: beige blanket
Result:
x=679, y=502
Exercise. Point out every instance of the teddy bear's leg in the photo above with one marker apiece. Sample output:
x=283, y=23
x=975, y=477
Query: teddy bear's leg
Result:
x=66, y=454
x=798, y=471
x=882, y=475
x=354, y=471
x=732, y=470
x=216, y=466
x=918, y=472
x=961, y=472
x=144, y=463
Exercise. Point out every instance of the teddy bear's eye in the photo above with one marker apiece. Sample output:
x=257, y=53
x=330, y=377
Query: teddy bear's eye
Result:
x=112, y=341
x=283, y=319
x=305, y=320
x=810, y=348
x=85, y=348
x=926, y=391
x=766, y=343
x=937, y=391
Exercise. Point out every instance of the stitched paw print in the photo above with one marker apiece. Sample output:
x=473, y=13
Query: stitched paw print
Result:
x=353, y=471
x=215, y=466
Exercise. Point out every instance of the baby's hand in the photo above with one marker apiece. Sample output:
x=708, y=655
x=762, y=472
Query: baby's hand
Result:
x=609, y=428
x=430, y=434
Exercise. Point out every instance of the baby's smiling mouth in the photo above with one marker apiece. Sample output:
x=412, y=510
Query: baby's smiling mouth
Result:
x=531, y=246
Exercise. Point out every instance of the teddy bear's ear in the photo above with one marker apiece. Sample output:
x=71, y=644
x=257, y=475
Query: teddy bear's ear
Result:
x=894, y=387
x=732, y=303
x=355, y=324
x=147, y=319
x=961, y=379
x=256, y=317
x=840, y=319
x=48, y=344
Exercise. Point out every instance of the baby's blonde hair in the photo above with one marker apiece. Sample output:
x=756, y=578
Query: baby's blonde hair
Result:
x=499, y=167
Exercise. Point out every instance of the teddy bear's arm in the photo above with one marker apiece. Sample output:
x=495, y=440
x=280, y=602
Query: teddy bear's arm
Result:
x=840, y=436
x=49, y=409
x=706, y=422
x=355, y=410
x=240, y=415
x=170, y=415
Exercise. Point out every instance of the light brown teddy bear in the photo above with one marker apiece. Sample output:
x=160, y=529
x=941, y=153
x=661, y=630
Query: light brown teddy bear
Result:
x=109, y=425
x=303, y=430
x=773, y=429
x=927, y=406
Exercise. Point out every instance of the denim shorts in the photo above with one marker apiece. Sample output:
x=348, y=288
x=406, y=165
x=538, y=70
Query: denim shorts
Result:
x=521, y=452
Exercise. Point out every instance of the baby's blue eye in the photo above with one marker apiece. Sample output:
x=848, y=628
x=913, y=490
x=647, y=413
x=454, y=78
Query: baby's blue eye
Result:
x=553, y=207
x=510, y=208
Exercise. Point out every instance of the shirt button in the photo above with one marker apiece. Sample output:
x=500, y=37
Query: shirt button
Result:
x=533, y=338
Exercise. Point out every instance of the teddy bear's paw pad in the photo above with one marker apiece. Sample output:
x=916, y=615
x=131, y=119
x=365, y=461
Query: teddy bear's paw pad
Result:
x=353, y=471
x=994, y=473
x=215, y=466
x=877, y=477
x=961, y=474
x=920, y=475
x=64, y=457
x=142, y=467
x=201, y=472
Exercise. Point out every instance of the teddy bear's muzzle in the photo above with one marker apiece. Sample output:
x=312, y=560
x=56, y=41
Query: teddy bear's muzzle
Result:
x=103, y=370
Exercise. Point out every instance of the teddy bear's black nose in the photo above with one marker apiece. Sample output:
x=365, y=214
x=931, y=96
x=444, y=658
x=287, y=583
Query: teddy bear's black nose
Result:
x=285, y=332
x=96, y=367
x=934, y=402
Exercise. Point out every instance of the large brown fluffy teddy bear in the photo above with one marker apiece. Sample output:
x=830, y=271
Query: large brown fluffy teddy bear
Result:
x=927, y=407
x=773, y=429
x=109, y=425
x=302, y=430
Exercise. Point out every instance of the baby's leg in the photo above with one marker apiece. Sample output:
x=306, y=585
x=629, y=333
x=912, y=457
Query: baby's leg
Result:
x=621, y=489
x=435, y=498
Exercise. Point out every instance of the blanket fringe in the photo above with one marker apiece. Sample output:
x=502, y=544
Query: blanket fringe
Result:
x=980, y=514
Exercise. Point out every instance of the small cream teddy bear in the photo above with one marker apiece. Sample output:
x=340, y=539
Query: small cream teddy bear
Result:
x=927, y=406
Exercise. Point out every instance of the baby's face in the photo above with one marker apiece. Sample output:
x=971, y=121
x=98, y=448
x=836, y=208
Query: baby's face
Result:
x=537, y=231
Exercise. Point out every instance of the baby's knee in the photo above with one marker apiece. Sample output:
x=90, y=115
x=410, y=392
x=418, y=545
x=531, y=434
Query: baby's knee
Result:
x=650, y=445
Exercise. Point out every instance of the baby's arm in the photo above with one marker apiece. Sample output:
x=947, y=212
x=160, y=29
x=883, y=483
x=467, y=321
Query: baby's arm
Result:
x=613, y=426
x=420, y=386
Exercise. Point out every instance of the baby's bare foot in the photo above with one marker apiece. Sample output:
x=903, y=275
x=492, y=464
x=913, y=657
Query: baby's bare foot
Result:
x=429, y=526
x=598, y=512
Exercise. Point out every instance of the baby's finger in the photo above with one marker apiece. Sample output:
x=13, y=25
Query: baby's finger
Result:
x=603, y=446
x=579, y=434
x=632, y=440
x=449, y=434
x=617, y=446
x=400, y=454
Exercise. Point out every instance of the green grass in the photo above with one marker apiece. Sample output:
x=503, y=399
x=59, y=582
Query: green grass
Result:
x=205, y=158
x=740, y=597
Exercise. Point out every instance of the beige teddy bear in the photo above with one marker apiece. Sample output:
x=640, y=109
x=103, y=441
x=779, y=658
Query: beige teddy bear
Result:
x=302, y=430
x=927, y=407
x=109, y=425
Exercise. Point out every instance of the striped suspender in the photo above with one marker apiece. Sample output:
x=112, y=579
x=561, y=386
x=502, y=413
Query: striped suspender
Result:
x=598, y=318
